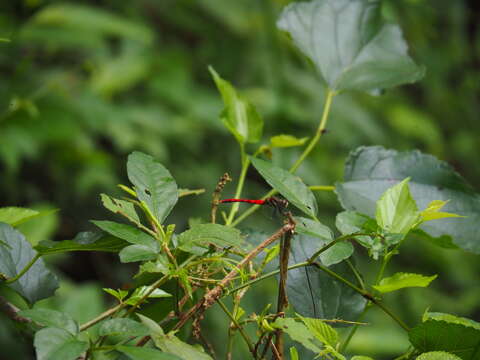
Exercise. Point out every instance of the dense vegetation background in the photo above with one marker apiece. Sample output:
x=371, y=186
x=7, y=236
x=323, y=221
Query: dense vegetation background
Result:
x=85, y=83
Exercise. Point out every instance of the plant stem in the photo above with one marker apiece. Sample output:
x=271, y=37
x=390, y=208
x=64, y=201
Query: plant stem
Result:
x=354, y=329
x=322, y=188
x=241, y=180
x=102, y=316
x=392, y=315
x=24, y=270
x=153, y=287
x=319, y=132
x=238, y=326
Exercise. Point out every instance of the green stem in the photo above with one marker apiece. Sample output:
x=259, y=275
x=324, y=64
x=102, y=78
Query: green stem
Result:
x=392, y=315
x=318, y=134
x=241, y=181
x=356, y=273
x=354, y=329
x=322, y=188
x=238, y=326
x=102, y=316
x=24, y=270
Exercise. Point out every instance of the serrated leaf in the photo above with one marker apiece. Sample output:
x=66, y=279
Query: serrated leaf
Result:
x=323, y=235
x=437, y=355
x=153, y=183
x=314, y=294
x=197, y=239
x=51, y=318
x=239, y=116
x=403, y=280
x=322, y=331
x=169, y=343
x=283, y=140
x=442, y=332
x=122, y=326
x=84, y=241
x=369, y=171
x=57, y=344
x=128, y=233
x=349, y=44
x=297, y=332
x=15, y=253
x=121, y=207
x=397, y=211
x=143, y=353
x=289, y=185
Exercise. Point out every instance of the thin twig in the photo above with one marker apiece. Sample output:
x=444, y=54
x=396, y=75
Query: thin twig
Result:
x=216, y=195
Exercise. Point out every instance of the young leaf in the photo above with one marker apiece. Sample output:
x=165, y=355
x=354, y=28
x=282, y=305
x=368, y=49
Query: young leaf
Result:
x=16, y=215
x=57, y=344
x=197, y=239
x=84, y=241
x=122, y=207
x=442, y=332
x=298, y=332
x=153, y=184
x=314, y=294
x=239, y=116
x=143, y=353
x=310, y=228
x=118, y=294
x=51, y=318
x=293, y=353
x=289, y=185
x=397, y=211
x=282, y=141
x=141, y=291
x=403, y=280
x=15, y=254
x=322, y=331
x=349, y=44
x=169, y=343
x=437, y=355
x=432, y=212
x=122, y=326
x=369, y=171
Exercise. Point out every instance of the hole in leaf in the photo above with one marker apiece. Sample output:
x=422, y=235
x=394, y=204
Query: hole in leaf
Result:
x=147, y=192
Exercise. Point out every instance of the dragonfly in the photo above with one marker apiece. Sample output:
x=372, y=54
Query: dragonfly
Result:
x=273, y=201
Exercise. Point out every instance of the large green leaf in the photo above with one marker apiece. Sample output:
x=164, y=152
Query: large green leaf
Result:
x=289, y=185
x=239, y=116
x=298, y=332
x=349, y=44
x=122, y=326
x=143, y=353
x=369, y=171
x=135, y=253
x=438, y=355
x=15, y=253
x=127, y=233
x=403, y=280
x=323, y=235
x=169, y=343
x=445, y=332
x=57, y=344
x=84, y=241
x=314, y=293
x=51, y=318
x=16, y=215
x=153, y=183
x=197, y=239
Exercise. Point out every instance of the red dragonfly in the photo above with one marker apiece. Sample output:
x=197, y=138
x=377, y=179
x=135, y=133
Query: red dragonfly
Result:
x=275, y=202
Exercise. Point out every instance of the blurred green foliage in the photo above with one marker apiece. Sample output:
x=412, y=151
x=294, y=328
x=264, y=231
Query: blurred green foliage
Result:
x=85, y=83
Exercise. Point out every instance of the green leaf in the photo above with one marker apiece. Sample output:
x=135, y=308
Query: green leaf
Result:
x=15, y=253
x=128, y=233
x=57, y=344
x=445, y=332
x=143, y=353
x=153, y=184
x=169, y=343
x=197, y=239
x=289, y=185
x=160, y=265
x=51, y=318
x=360, y=357
x=16, y=215
x=370, y=171
x=397, y=211
x=297, y=332
x=122, y=207
x=349, y=44
x=118, y=294
x=293, y=353
x=315, y=294
x=84, y=241
x=141, y=291
x=437, y=355
x=239, y=116
x=322, y=331
x=283, y=140
x=323, y=235
x=135, y=253
x=122, y=326
x=403, y=280
x=432, y=212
